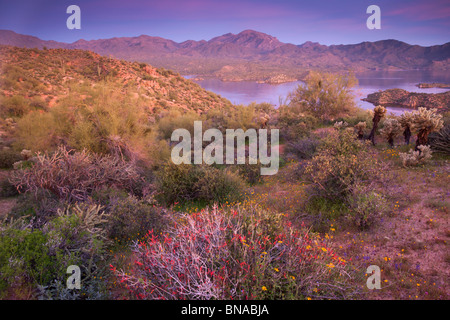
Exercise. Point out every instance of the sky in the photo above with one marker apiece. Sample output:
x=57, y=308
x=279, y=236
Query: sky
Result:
x=421, y=22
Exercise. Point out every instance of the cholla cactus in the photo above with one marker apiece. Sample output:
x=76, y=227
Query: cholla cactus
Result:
x=391, y=129
x=425, y=121
x=406, y=121
x=340, y=125
x=378, y=113
x=414, y=158
x=26, y=154
x=359, y=128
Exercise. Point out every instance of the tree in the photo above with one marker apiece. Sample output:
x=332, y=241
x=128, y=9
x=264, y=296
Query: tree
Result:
x=378, y=113
x=405, y=121
x=326, y=96
x=391, y=129
x=425, y=121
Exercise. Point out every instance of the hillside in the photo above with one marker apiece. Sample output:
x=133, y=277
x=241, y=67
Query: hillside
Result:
x=46, y=76
x=405, y=99
x=252, y=55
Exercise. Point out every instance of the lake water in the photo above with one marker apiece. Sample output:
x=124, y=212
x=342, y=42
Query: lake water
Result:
x=245, y=92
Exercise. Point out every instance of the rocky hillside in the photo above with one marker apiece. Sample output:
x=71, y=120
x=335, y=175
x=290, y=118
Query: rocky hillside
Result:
x=46, y=76
x=252, y=55
x=403, y=98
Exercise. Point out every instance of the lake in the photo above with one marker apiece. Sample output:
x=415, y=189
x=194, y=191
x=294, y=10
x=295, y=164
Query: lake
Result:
x=245, y=92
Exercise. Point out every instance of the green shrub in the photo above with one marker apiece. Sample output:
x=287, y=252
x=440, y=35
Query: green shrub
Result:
x=217, y=185
x=8, y=157
x=24, y=257
x=131, y=218
x=7, y=189
x=326, y=96
x=79, y=230
x=322, y=212
x=294, y=123
x=78, y=236
x=181, y=183
x=341, y=161
x=75, y=236
x=251, y=173
x=15, y=106
x=366, y=207
x=302, y=149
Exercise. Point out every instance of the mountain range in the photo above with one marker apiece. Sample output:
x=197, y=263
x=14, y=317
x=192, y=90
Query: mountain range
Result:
x=253, y=55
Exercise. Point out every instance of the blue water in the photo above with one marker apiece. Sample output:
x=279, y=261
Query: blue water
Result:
x=246, y=92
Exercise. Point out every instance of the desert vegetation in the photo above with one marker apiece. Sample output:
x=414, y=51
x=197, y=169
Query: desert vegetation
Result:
x=87, y=180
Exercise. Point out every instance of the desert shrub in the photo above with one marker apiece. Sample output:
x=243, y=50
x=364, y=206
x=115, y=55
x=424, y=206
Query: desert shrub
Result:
x=24, y=257
x=7, y=189
x=251, y=173
x=366, y=207
x=177, y=182
x=302, y=149
x=295, y=124
x=40, y=256
x=359, y=115
x=341, y=161
x=80, y=231
x=217, y=254
x=37, y=209
x=15, y=106
x=11, y=74
x=39, y=124
x=440, y=141
x=416, y=157
x=326, y=96
x=78, y=236
x=8, y=157
x=74, y=176
x=131, y=218
x=102, y=118
x=322, y=212
x=176, y=120
x=340, y=125
x=234, y=117
x=219, y=185
x=182, y=183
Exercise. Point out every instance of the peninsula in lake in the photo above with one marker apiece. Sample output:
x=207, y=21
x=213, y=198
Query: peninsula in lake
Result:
x=405, y=99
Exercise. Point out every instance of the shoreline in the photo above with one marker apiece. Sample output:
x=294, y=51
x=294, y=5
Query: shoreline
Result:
x=410, y=100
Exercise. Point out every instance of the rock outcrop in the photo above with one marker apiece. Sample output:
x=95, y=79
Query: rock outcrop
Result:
x=413, y=100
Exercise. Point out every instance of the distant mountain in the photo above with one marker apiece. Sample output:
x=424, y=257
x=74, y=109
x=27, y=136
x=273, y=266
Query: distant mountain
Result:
x=253, y=55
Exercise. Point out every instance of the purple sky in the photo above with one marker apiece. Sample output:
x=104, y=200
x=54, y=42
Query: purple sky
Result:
x=423, y=22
